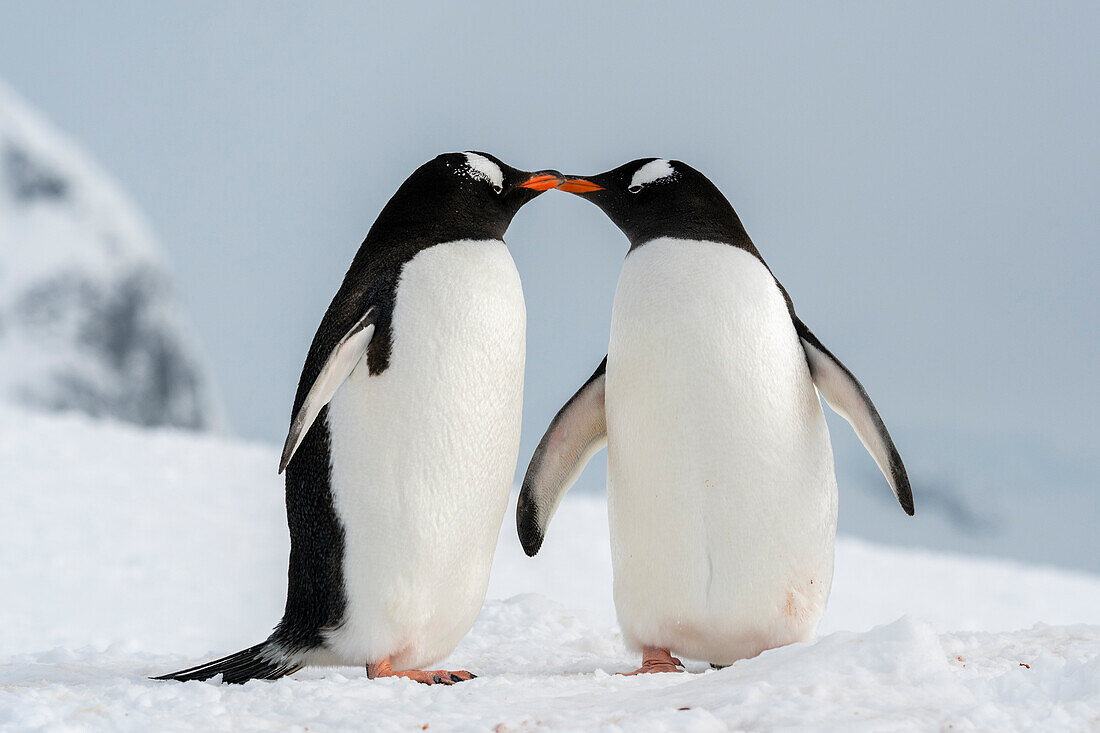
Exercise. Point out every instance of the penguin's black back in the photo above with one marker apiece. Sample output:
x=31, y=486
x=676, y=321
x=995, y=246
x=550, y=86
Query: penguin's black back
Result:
x=315, y=597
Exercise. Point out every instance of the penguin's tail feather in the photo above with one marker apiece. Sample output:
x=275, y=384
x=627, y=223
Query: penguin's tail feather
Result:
x=266, y=661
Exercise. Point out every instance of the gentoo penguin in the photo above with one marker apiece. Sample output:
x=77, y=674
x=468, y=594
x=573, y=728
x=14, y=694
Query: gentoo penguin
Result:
x=404, y=434
x=721, y=494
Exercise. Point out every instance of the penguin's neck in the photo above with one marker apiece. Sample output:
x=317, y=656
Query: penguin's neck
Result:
x=702, y=234
x=398, y=241
x=726, y=229
x=398, y=231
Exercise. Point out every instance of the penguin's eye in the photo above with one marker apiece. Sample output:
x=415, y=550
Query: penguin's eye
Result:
x=634, y=189
x=497, y=188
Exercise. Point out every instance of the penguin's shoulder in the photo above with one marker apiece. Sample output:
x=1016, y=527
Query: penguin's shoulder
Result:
x=357, y=326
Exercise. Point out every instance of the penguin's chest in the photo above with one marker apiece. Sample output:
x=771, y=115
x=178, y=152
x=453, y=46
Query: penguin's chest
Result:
x=721, y=492
x=704, y=358
x=423, y=454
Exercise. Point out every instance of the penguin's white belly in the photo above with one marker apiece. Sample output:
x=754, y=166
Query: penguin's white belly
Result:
x=721, y=492
x=424, y=454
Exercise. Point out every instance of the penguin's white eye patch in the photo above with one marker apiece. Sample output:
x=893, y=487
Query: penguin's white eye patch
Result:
x=480, y=167
x=654, y=170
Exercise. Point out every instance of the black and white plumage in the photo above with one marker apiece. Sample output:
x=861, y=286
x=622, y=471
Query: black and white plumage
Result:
x=722, y=496
x=405, y=431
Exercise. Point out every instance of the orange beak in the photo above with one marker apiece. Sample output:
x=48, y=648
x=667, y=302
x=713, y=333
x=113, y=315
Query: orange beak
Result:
x=579, y=185
x=542, y=182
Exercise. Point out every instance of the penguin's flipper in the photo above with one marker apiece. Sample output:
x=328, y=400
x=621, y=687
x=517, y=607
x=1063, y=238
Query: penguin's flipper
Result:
x=846, y=396
x=339, y=365
x=576, y=433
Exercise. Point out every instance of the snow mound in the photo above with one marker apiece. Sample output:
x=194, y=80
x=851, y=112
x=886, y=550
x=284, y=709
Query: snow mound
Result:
x=127, y=552
x=87, y=318
x=901, y=676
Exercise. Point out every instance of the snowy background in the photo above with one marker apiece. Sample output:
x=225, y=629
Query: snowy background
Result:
x=922, y=177
x=182, y=186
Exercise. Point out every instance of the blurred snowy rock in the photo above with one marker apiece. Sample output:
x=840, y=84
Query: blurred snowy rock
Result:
x=88, y=319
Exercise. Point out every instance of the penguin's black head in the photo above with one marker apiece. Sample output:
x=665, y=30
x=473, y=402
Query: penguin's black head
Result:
x=653, y=197
x=469, y=195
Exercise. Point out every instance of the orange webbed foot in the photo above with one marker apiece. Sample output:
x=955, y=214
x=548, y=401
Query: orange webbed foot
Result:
x=423, y=676
x=656, y=660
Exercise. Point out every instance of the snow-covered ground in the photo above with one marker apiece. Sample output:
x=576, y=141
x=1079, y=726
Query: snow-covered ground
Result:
x=128, y=552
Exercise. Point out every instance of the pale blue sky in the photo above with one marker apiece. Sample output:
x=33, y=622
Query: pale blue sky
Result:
x=923, y=178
